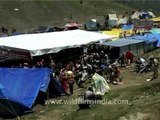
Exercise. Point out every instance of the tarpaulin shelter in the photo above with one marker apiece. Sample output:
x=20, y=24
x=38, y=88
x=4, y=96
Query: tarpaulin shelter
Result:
x=155, y=30
x=142, y=24
x=19, y=88
x=120, y=32
x=113, y=32
x=72, y=26
x=148, y=38
x=53, y=42
x=127, y=27
x=136, y=15
x=156, y=22
x=151, y=40
x=123, y=20
x=111, y=20
x=156, y=19
x=142, y=15
x=92, y=25
x=151, y=14
x=123, y=45
x=112, y=17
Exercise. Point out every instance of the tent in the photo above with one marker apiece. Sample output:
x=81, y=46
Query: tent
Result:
x=151, y=14
x=127, y=27
x=136, y=15
x=156, y=19
x=151, y=41
x=92, y=25
x=112, y=17
x=53, y=42
x=19, y=88
x=148, y=38
x=155, y=30
x=142, y=15
x=113, y=32
x=111, y=20
x=145, y=15
x=123, y=20
x=72, y=26
x=142, y=24
x=156, y=22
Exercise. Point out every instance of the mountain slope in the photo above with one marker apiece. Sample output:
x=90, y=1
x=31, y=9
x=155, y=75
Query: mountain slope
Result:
x=45, y=13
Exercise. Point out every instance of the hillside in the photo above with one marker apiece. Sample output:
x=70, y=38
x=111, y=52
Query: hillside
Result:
x=143, y=101
x=33, y=13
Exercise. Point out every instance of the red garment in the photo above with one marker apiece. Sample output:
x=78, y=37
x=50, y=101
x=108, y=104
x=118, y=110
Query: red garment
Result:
x=130, y=56
x=64, y=80
x=65, y=85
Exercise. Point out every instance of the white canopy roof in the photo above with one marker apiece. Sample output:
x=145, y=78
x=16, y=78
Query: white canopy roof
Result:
x=44, y=43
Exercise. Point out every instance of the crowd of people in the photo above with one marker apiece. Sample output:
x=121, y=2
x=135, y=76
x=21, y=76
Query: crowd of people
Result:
x=80, y=70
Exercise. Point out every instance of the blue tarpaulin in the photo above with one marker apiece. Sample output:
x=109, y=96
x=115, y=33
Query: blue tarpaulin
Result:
x=149, y=38
x=127, y=27
x=21, y=85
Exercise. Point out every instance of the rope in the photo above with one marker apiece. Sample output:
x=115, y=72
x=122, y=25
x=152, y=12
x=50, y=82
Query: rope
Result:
x=10, y=111
x=15, y=114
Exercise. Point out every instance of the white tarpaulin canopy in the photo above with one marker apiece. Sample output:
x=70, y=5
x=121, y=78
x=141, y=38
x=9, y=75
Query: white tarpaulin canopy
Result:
x=44, y=43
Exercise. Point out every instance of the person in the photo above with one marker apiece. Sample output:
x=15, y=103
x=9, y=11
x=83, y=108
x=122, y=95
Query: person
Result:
x=25, y=65
x=130, y=56
x=70, y=79
x=155, y=68
x=122, y=60
x=84, y=102
x=63, y=79
x=52, y=63
x=89, y=95
x=83, y=78
x=117, y=75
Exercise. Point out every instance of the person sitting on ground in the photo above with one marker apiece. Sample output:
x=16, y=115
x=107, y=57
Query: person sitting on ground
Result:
x=117, y=79
x=83, y=78
x=89, y=95
x=140, y=65
x=84, y=102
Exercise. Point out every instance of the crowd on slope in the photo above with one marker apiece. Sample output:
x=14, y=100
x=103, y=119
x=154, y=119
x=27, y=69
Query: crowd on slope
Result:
x=79, y=71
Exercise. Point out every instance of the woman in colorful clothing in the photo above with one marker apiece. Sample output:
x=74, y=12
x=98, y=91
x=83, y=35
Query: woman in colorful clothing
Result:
x=63, y=78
